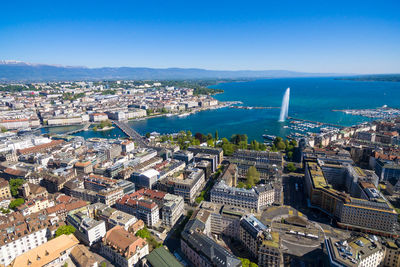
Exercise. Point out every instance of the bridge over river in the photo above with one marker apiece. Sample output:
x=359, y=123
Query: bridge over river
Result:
x=131, y=133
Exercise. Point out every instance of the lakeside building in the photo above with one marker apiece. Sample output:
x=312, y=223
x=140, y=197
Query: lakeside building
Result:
x=355, y=251
x=362, y=208
x=254, y=199
x=98, y=117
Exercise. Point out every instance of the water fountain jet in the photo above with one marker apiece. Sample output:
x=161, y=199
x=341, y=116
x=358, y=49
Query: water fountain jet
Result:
x=285, y=106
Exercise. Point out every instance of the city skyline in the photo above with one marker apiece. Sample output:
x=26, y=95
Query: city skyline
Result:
x=359, y=38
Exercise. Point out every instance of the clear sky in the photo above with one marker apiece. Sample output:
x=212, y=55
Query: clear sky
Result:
x=311, y=36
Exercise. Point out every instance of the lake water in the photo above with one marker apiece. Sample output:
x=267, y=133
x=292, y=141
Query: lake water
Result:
x=311, y=98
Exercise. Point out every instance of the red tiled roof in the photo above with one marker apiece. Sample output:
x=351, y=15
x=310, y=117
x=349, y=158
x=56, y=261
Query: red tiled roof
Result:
x=14, y=172
x=41, y=147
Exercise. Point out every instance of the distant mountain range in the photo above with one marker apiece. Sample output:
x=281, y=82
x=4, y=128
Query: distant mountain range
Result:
x=27, y=72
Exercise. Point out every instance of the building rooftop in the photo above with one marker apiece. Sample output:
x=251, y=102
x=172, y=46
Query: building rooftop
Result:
x=350, y=252
x=46, y=252
x=161, y=257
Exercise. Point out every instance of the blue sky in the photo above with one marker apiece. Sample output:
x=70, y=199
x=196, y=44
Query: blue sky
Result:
x=311, y=36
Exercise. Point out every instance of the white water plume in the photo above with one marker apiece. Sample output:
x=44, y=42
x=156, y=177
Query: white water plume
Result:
x=285, y=106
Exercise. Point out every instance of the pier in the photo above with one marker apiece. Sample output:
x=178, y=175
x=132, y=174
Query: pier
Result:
x=84, y=128
x=126, y=129
x=247, y=107
x=317, y=122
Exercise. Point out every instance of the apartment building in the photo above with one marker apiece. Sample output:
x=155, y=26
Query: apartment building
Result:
x=263, y=245
x=254, y=199
x=88, y=230
x=52, y=253
x=201, y=250
x=392, y=253
x=151, y=206
x=362, y=208
x=355, y=251
x=187, y=184
x=19, y=234
x=208, y=150
x=123, y=248
x=225, y=219
x=4, y=189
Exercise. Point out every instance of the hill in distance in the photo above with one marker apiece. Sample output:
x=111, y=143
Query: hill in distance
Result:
x=12, y=71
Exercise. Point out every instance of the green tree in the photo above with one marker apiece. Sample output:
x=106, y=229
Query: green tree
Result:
x=143, y=233
x=196, y=142
x=237, y=138
x=247, y=263
x=254, y=145
x=228, y=148
x=199, y=199
x=241, y=185
x=201, y=137
x=252, y=176
x=210, y=143
x=242, y=145
x=14, y=184
x=293, y=143
x=3, y=129
x=16, y=203
x=147, y=135
x=216, y=135
x=209, y=136
x=105, y=123
x=4, y=211
x=65, y=230
x=291, y=167
x=262, y=147
x=279, y=144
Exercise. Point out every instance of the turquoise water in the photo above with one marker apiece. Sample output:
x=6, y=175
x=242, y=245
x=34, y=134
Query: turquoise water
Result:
x=311, y=98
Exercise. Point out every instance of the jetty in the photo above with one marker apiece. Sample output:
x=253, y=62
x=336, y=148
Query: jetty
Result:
x=247, y=107
x=317, y=122
x=126, y=129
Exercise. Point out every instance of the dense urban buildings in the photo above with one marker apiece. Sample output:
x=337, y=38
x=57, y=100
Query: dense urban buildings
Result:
x=189, y=199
